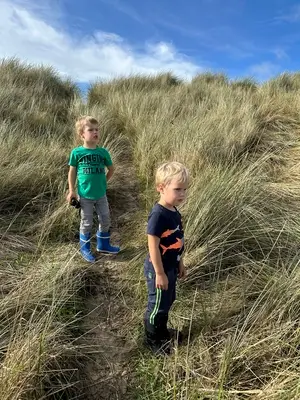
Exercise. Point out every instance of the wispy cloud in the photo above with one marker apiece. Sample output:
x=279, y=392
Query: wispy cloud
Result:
x=263, y=71
x=125, y=9
x=46, y=9
x=221, y=39
x=26, y=33
x=180, y=28
x=292, y=16
x=235, y=51
x=280, y=53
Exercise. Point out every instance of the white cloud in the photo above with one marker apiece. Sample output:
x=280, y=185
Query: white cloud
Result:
x=32, y=35
x=106, y=37
x=162, y=51
x=264, y=70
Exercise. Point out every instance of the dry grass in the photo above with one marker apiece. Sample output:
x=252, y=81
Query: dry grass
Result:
x=240, y=302
x=40, y=273
x=241, y=144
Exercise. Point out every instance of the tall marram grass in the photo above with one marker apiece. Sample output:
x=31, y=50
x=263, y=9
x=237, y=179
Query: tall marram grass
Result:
x=239, y=305
x=240, y=141
x=41, y=276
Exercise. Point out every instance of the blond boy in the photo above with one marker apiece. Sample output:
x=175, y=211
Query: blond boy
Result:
x=88, y=163
x=164, y=263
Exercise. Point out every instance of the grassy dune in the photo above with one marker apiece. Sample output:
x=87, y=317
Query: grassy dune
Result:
x=41, y=273
x=239, y=304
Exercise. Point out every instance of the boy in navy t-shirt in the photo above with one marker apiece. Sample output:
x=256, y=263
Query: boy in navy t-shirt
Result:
x=164, y=261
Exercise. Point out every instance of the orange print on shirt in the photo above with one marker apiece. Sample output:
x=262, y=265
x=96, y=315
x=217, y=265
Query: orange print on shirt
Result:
x=169, y=232
x=175, y=246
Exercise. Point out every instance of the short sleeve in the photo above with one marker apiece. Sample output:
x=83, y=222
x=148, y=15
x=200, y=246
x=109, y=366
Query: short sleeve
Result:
x=156, y=224
x=107, y=158
x=73, y=159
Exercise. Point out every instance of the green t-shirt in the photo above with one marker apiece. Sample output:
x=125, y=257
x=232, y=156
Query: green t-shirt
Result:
x=91, y=173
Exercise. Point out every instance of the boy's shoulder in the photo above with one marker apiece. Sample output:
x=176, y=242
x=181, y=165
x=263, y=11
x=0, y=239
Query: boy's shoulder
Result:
x=102, y=149
x=157, y=208
x=162, y=212
x=77, y=149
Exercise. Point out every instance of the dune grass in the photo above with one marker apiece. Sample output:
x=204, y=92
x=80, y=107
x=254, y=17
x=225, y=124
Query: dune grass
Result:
x=41, y=275
x=239, y=305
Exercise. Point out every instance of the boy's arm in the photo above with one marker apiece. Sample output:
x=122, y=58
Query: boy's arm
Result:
x=71, y=181
x=109, y=164
x=155, y=256
x=110, y=172
x=182, y=271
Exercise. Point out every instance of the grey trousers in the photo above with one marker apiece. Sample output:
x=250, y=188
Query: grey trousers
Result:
x=87, y=211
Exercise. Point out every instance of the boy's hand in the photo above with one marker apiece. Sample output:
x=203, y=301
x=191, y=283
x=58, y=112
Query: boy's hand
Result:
x=161, y=281
x=70, y=195
x=182, y=271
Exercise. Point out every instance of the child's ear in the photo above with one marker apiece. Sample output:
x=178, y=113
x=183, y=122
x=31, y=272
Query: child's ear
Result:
x=160, y=187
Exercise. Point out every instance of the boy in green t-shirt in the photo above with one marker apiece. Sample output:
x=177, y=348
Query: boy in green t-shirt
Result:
x=88, y=164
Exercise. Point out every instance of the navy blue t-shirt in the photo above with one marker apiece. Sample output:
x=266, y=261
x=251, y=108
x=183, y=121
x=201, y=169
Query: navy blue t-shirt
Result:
x=167, y=225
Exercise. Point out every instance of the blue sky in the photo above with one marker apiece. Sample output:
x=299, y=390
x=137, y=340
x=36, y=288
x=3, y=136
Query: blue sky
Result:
x=92, y=39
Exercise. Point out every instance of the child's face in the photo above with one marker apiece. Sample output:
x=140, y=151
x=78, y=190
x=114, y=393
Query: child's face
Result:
x=174, y=193
x=90, y=134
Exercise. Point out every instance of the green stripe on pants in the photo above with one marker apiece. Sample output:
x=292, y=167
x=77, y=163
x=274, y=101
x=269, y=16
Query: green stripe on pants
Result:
x=156, y=307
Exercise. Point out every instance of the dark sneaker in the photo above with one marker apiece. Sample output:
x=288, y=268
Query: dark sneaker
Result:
x=159, y=348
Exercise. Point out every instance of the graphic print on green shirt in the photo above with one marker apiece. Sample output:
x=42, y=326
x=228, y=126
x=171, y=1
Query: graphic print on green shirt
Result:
x=91, y=173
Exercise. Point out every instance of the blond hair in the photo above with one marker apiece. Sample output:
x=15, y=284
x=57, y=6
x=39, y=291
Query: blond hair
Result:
x=168, y=171
x=83, y=121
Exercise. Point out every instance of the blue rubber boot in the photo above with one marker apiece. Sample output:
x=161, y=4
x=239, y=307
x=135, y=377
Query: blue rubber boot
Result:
x=103, y=243
x=85, y=247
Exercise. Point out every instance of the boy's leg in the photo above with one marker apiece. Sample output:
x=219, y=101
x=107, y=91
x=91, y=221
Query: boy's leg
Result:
x=174, y=334
x=159, y=304
x=103, y=234
x=86, y=224
x=103, y=214
x=168, y=300
x=86, y=214
x=152, y=338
